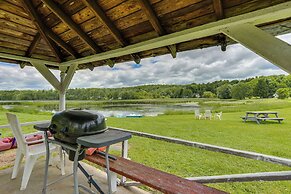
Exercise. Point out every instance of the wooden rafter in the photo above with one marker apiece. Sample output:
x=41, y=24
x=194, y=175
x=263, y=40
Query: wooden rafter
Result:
x=61, y=43
x=218, y=9
x=219, y=12
x=100, y=14
x=68, y=21
x=146, y=6
x=258, y=17
x=31, y=48
x=55, y=8
x=41, y=28
x=33, y=45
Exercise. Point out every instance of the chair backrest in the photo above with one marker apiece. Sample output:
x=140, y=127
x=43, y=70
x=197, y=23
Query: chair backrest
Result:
x=207, y=113
x=197, y=112
x=17, y=132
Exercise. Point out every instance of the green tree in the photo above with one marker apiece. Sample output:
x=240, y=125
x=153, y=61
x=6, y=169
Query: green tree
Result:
x=224, y=91
x=261, y=89
x=241, y=91
x=283, y=93
x=208, y=94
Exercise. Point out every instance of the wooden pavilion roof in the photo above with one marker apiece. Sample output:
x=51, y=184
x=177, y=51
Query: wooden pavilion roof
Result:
x=65, y=30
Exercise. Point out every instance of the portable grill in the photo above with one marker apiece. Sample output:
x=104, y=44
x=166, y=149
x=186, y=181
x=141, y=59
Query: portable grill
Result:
x=67, y=126
x=75, y=131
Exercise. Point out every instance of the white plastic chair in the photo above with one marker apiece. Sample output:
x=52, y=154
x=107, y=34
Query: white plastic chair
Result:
x=31, y=153
x=198, y=115
x=208, y=114
x=218, y=115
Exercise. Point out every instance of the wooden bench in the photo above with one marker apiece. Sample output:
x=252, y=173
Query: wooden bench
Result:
x=269, y=119
x=260, y=119
x=161, y=181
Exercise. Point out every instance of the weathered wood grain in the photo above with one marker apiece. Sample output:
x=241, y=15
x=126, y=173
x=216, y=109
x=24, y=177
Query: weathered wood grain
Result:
x=162, y=181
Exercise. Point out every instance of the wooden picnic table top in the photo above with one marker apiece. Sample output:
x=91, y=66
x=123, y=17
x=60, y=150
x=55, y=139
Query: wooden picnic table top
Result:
x=262, y=112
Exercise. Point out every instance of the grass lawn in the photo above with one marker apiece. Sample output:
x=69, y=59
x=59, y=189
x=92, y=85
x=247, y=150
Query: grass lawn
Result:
x=269, y=138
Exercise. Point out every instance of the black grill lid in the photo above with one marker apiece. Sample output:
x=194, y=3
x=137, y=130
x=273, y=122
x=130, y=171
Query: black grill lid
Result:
x=68, y=125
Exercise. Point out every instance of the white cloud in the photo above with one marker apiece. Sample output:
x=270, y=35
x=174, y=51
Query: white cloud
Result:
x=198, y=66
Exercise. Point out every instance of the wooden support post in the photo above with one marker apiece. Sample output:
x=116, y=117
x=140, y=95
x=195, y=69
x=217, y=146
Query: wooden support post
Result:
x=62, y=93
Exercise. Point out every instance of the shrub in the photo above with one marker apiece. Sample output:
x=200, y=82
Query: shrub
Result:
x=283, y=93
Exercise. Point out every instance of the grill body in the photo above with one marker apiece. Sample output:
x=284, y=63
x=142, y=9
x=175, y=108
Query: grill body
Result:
x=68, y=125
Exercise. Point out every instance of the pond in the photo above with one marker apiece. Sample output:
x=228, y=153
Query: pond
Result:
x=114, y=110
x=142, y=109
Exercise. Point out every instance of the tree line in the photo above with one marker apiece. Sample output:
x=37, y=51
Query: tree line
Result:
x=262, y=87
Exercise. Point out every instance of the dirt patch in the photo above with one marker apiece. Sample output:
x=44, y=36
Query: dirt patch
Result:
x=7, y=158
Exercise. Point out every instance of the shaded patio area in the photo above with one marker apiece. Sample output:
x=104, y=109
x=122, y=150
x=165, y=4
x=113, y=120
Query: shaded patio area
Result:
x=65, y=186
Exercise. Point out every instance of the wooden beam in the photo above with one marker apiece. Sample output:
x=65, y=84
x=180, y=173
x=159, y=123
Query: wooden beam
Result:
x=146, y=6
x=28, y=59
x=100, y=14
x=48, y=32
x=33, y=45
x=31, y=48
x=48, y=75
x=61, y=43
x=41, y=27
x=267, y=46
x=56, y=9
x=218, y=9
x=241, y=153
x=262, y=16
x=261, y=176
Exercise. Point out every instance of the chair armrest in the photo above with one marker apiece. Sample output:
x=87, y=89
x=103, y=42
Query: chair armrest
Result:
x=34, y=133
x=34, y=142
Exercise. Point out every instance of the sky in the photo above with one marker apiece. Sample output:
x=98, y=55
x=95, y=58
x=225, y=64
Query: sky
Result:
x=195, y=66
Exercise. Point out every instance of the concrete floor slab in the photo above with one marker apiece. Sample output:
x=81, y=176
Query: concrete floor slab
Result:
x=63, y=187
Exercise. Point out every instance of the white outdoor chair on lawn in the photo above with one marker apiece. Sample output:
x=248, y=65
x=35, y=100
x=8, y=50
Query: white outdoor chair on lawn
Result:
x=198, y=115
x=31, y=153
x=218, y=115
x=208, y=114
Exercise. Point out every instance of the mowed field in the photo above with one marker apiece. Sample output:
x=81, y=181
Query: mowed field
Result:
x=268, y=138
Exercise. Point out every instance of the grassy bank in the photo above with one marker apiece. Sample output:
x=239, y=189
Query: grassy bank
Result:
x=269, y=138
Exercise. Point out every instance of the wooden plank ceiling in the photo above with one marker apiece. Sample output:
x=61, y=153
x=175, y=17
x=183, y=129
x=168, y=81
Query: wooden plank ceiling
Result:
x=68, y=29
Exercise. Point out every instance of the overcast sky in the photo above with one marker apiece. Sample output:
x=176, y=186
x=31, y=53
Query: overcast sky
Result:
x=199, y=66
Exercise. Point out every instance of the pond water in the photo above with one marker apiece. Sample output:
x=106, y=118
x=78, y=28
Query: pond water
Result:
x=123, y=110
x=142, y=109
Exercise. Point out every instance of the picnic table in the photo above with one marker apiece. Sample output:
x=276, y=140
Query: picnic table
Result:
x=259, y=116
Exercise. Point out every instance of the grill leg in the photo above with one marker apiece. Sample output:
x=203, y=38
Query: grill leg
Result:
x=90, y=179
x=75, y=170
x=47, y=158
x=108, y=171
